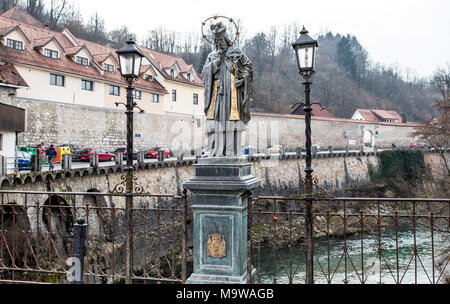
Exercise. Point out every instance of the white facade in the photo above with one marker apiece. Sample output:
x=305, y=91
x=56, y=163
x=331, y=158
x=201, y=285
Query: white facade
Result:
x=357, y=116
x=7, y=144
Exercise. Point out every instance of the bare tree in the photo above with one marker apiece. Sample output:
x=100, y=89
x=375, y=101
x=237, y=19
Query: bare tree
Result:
x=57, y=10
x=436, y=132
x=36, y=8
x=119, y=36
x=6, y=5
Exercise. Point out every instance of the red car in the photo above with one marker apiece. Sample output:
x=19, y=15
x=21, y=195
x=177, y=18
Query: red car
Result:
x=153, y=152
x=85, y=154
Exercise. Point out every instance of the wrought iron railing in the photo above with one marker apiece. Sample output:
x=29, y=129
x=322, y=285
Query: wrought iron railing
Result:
x=36, y=237
x=356, y=240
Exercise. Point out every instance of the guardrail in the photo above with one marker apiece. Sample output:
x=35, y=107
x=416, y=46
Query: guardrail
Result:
x=37, y=242
x=356, y=240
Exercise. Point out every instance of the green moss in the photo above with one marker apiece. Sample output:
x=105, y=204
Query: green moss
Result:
x=408, y=165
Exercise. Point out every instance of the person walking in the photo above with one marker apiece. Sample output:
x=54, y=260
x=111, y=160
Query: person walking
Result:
x=51, y=154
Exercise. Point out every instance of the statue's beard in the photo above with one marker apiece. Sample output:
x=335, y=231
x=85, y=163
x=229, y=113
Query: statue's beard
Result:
x=222, y=47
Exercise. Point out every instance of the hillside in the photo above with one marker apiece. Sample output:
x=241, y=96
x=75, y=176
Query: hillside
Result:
x=345, y=79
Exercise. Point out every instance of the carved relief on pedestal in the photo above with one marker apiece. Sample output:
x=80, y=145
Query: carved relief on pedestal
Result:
x=217, y=246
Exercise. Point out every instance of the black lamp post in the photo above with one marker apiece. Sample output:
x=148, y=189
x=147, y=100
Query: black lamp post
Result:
x=130, y=59
x=305, y=53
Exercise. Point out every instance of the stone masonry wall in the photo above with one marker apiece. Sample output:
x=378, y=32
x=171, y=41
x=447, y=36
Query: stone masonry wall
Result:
x=80, y=126
x=276, y=176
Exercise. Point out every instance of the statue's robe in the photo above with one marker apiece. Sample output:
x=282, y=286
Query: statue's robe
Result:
x=227, y=108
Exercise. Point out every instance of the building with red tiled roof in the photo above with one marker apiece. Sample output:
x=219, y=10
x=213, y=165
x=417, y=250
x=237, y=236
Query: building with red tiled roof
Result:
x=9, y=77
x=377, y=116
x=12, y=118
x=61, y=67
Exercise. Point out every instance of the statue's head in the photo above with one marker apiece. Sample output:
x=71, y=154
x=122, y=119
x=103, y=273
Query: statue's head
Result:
x=221, y=39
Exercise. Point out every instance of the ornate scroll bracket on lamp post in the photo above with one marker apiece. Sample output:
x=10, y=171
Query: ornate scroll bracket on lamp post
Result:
x=130, y=59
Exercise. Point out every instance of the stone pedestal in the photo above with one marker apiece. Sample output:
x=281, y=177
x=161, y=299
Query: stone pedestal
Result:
x=220, y=210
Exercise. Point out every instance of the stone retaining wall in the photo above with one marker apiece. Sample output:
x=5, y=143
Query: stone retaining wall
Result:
x=81, y=126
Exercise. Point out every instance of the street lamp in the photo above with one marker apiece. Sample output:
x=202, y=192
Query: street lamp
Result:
x=305, y=53
x=130, y=59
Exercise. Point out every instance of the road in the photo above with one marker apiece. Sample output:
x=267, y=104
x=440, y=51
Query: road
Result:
x=86, y=164
x=82, y=165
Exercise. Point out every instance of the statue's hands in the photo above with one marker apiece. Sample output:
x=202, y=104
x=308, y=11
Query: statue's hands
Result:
x=218, y=59
x=239, y=83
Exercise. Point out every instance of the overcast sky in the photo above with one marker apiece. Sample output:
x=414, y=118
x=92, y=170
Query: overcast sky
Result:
x=414, y=34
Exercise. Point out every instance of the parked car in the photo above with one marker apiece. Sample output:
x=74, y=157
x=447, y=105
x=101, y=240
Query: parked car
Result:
x=124, y=151
x=85, y=154
x=275, y=149
x=246, y=149
x=153, y=152
x=24, y=160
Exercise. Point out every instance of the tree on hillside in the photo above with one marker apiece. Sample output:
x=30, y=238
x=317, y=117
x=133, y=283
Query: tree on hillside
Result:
x=96, y=29
x=36, y=8
x=205, y=49
x=436, y=132
x=345, y=57
x=6, y=5
x=119, y=36
x=58, y=8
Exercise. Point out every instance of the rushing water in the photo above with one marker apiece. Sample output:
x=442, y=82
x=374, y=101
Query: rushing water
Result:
x=371, y=261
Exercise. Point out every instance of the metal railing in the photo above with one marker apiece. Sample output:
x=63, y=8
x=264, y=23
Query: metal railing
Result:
x=37, y=237
x=356, y=240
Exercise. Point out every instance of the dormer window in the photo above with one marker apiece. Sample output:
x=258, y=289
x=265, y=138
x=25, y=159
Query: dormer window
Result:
x=108, y=68
x=188, y=76
x=172, y=73
x=14, y=44
x=82, y=61
x=148, y=78
x=51, y=54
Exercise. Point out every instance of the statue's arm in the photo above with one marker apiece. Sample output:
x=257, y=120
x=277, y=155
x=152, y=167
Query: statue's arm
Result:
x=246, y=71
x=212, y=63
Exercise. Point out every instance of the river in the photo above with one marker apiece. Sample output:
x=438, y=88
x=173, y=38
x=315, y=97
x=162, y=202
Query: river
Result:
x=371, y=261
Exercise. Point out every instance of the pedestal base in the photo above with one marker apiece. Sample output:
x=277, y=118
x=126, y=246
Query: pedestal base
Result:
x=214, y=279
x=220, y=193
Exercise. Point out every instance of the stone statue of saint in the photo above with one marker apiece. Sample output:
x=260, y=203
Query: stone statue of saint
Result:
x=228, y=78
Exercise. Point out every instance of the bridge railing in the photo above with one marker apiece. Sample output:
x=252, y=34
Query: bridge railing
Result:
x=356, y=240
x=37, y=236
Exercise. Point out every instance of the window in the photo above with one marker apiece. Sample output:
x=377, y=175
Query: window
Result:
x=57, y=80
x=51, y=54
x=154, y=98
x=188, y=76
x=174, y=95
x=114, y=90
x=137, y=94
x=82, y=61
x=148, y=77
x=108, y=68
x=87, y=85
x=195, y=99
x=172, y=73
x=14, y=44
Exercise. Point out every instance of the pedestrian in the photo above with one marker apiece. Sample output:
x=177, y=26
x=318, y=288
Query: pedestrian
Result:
x=393, y=145
x=51, y=154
